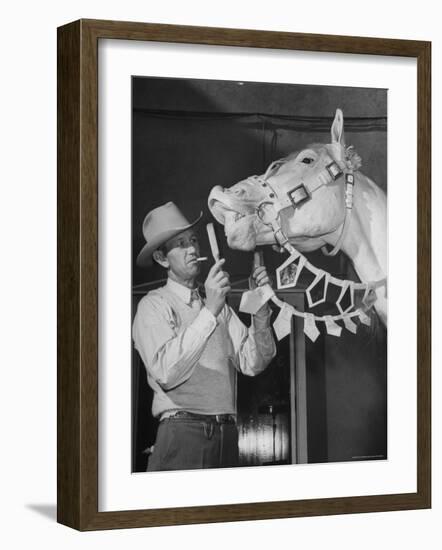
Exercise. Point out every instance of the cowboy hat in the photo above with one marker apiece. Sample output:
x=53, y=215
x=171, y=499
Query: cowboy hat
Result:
x=160, y=225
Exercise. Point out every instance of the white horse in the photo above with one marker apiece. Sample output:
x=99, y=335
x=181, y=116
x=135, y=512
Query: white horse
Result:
x=314, y=198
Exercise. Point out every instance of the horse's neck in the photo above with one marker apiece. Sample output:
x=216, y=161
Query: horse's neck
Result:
x=366, y=239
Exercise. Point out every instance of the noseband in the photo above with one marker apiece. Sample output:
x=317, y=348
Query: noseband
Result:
x=300, y=193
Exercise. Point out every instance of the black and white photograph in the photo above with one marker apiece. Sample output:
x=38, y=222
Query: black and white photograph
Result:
x=220, y=236
x=259, y=274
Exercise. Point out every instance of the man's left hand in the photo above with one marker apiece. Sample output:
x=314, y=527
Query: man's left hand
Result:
x=260, y=276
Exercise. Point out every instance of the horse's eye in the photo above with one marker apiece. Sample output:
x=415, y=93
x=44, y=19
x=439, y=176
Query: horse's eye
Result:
x=307, y=160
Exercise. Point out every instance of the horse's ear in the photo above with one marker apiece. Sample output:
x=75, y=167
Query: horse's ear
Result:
x=337, y=129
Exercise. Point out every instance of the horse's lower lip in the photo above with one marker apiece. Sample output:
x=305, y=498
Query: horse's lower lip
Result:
x=219, y=205
x=222, y=209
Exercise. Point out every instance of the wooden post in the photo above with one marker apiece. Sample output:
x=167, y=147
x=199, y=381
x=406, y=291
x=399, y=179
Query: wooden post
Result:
x=293, y=423
x=298, y=384
x=301, y=384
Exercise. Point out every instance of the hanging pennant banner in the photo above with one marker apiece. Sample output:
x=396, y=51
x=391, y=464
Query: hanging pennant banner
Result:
x=310, y=328
x=288, y=273
x=364, y=318
x=283, y=323
x=320, y=282
x=253, y=300
x=345, y=302
x=349, y=325
x=332, y=328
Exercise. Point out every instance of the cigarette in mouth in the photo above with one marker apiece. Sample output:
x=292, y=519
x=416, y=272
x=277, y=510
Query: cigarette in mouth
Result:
x=202, y=259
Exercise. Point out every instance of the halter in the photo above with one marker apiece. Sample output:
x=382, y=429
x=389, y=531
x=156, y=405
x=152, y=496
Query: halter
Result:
x=297, y=195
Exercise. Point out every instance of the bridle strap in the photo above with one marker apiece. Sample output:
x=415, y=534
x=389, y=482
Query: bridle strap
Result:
x=340, y=240
x=349, y=183
x=296, y=196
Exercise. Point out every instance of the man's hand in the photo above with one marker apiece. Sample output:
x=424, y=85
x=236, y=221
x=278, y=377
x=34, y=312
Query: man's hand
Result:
x=217, y=286
x=260, y=277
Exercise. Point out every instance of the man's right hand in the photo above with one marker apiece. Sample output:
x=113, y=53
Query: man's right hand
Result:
x=217, y=286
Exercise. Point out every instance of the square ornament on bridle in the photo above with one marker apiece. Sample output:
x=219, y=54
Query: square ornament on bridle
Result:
x=301, y=194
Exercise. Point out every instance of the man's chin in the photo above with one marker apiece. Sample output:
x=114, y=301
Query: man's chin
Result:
x=194, y=267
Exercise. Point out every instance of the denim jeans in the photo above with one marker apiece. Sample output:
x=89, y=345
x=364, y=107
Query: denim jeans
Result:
x=188, y=444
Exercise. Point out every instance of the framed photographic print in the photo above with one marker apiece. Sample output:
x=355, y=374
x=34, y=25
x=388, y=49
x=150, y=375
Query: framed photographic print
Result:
x=244, y=275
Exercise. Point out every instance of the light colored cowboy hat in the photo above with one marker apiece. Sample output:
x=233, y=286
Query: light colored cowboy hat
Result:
x=160, y=225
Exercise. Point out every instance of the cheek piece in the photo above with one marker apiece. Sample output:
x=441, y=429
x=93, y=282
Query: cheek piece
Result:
x=295, y=194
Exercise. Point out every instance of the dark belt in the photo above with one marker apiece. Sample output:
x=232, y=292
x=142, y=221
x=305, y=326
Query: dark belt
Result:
x=216, y=418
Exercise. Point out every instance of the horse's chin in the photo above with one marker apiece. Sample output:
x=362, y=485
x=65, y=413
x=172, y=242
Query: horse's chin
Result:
x=236, y=242
x=241, y=234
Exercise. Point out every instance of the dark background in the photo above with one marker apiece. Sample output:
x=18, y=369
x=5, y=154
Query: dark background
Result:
x=189, y=135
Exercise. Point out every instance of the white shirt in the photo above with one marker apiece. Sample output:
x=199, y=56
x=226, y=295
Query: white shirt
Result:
x=172, y=341
x=181, y=291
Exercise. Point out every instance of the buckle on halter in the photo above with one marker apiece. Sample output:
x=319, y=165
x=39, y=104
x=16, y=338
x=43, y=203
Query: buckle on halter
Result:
x=334, y=170
x=299, y=195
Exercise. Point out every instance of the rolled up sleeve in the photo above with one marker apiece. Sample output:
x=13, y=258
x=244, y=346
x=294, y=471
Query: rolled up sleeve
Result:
x=254, y=346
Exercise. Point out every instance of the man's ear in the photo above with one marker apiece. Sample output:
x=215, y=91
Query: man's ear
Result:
x=160, y=258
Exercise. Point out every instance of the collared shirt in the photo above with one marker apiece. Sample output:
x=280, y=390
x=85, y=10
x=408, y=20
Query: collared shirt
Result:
x=172, y=342
x=189, y=296
x=183, y=292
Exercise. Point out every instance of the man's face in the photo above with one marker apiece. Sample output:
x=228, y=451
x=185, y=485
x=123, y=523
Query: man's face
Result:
x=181, y=255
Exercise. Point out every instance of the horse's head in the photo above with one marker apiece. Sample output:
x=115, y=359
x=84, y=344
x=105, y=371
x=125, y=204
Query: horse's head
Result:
x=304, y=191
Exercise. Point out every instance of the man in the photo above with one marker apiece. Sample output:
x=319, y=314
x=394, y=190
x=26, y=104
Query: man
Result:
x=192, y=348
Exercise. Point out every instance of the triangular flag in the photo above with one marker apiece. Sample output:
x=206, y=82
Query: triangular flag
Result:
x=253, y=300
x=332, y=327
x=287, y=274
x=283, y=323
x=364, y=318
x=322, y=279
x=349, y=325
x=310, y=328
x=369, y=297
x=345, y=302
